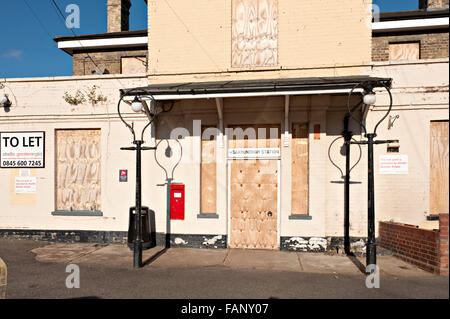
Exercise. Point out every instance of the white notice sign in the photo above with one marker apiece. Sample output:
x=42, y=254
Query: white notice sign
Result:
x=25, y=185
x=393, y=164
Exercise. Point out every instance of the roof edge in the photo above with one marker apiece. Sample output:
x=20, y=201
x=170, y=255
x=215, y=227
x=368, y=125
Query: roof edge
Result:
x=108, y=35
x=257, y=86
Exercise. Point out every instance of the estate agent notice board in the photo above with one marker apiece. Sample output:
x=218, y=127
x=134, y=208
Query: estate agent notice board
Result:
x=22, y=149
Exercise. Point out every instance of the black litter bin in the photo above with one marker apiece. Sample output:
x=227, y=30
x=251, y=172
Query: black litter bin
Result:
x=145, y=228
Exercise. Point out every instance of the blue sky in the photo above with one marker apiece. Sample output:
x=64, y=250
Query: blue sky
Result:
x=27, y=48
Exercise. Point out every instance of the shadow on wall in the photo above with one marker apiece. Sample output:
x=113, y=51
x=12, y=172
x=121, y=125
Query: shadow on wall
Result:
x=168, y=156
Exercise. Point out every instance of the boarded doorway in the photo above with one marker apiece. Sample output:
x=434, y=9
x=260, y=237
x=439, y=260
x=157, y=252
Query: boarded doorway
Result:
x=253, y=188
x=439, y=167
x=254, y=204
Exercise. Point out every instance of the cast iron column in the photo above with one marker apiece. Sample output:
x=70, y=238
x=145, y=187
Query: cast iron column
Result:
x=371, y=253
x=137, y=248
x=369, y=99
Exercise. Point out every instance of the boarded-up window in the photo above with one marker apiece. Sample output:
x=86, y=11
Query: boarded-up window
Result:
x=254, y=33
x=208, y=172
x=439, y=168
x=300, y=169
x=134, y=65
x=404, y=51
x=78, y=170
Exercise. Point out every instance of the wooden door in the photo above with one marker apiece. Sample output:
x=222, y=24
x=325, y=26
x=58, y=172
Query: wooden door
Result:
x=254, y=204
x=439, y=167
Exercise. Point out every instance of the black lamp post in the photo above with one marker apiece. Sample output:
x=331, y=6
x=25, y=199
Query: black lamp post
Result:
x=369, y=98
x=139, y=106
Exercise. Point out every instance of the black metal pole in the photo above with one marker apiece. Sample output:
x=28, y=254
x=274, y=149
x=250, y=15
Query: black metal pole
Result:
x=371, y=253
x=347, y=138
x=137, y=248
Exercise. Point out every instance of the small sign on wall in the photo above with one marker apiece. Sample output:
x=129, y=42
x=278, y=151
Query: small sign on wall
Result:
x=123, y=175
x=393, y=164
x=25, y=185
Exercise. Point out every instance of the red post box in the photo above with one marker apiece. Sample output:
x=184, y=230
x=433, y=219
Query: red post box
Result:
x=177, y=201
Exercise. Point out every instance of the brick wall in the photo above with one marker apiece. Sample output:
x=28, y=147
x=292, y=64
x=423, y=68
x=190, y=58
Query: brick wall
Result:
x=433, y=4
x=443, y=249
x=427, y=249
x=82, y=64
x=432, y=45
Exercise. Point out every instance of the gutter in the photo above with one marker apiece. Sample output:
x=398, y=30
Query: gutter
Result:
x=409, y=25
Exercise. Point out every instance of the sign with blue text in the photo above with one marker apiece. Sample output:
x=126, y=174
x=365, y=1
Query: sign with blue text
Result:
x=22, y=149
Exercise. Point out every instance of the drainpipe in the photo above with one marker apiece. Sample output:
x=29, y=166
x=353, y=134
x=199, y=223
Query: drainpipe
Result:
x=219, y=105
x=347, y=139
x=286, y=121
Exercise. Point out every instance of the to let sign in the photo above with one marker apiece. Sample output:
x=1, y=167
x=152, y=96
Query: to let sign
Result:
x=393, y=164
x=22, y=149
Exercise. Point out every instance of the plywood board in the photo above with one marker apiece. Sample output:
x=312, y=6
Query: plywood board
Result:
x=439, y=167
x=300, y=165
x=253, y=194
x=134, y=65
x=404, y=51
x=78, y=170
x=208, y=184
x=254, y=33
x=254, y=136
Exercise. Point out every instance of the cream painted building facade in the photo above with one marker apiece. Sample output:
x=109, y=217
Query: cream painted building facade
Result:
x=292, y=200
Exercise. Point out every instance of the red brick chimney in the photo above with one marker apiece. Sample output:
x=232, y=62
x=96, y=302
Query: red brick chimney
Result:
x=118, y=15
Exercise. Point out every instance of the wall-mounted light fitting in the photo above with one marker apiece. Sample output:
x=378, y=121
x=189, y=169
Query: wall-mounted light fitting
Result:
x=4, y=101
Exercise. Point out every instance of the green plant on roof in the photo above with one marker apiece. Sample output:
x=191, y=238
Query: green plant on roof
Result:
x=80, y=98
x=76, y=99
x=95, y=98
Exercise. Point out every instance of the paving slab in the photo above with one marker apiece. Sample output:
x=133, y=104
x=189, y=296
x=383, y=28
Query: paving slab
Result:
x=116, y=255
x=190, y=257
x=323, y=263
x=262, y=259
x=64, y=252
x=393, y=266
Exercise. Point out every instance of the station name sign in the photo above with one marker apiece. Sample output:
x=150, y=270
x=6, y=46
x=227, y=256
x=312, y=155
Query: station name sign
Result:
x=22, y=149
x=254, y=153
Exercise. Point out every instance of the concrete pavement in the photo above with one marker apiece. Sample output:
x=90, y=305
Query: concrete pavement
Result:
x=38, y=270
x=121, y=255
